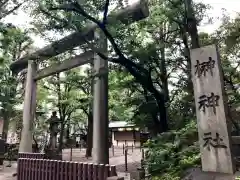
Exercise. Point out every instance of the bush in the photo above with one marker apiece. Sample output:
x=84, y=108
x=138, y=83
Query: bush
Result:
x=11, y=152
x=171, y=153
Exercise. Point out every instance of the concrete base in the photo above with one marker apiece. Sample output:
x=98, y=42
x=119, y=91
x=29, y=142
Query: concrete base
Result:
x=198, y=174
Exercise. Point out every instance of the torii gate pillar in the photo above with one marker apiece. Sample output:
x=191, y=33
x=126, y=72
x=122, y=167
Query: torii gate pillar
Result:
x=29, y=108
x=100, y=103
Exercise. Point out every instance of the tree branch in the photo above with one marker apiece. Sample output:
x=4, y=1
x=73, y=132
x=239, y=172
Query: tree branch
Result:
x=9, y=11
x=105, y=12
x=62, y=21
x=142, y=75
x=75, y=7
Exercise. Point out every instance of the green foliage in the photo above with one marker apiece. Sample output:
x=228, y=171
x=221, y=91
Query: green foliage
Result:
x=9, y=7
x=159, y=44
x=170, y=154
x=13, y=43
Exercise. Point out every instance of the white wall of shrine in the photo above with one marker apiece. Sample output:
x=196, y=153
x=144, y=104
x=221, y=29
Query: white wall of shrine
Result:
x=119, y=143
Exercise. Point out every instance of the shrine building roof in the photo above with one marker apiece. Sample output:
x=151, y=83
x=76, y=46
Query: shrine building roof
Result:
x=120, y=124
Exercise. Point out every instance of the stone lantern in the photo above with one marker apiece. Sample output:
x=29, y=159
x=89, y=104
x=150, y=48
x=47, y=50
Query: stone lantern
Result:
x=51, y=151
x=53, y=128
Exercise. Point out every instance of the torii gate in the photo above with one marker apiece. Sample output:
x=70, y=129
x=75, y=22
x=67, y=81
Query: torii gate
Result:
x=135, y=12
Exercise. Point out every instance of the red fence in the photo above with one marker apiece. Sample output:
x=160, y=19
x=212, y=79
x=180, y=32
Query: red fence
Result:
x=45, y=169
x=31, y=155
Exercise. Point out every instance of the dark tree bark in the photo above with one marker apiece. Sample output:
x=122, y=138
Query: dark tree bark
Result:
x=60, y=146
x=89, y=135
x=5, y=125
x=164, y=75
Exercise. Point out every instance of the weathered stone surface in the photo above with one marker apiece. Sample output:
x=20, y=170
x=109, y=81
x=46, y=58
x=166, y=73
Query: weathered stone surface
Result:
x=211, y=110
x=29, y=109
x=125, y=175
x=198, y=174
x=100, y=104
x=66, y=65
x=115, y=178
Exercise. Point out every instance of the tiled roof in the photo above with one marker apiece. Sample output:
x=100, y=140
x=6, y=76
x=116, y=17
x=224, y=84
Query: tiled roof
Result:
x=118, y=124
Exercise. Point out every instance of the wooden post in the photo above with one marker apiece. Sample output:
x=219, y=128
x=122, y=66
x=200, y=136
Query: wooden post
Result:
x=113, y=150
x=123, y=148
x=143, y=154
x=132, y=147
x=100, y=104
x=71, y=152
x=125, y=154
x=211, y=109
x=113, y=170
x=29, y=109
x=142, y=159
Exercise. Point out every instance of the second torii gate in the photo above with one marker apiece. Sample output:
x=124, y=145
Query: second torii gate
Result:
x=134, y=12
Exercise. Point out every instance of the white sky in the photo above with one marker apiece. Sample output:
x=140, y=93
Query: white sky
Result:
x=231, y=6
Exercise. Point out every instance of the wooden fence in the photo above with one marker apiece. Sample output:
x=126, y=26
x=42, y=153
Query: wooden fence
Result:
x=32, y=155
x=45, y=169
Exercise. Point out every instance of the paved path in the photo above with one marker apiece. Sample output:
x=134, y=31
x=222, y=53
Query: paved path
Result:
x=7, y=172
x=133, y=158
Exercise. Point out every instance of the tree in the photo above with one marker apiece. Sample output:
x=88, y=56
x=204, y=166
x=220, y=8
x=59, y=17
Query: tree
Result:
x=14, y=42
x=149, y=73
x=8, y=7
x=152, y=77
x=66, y=95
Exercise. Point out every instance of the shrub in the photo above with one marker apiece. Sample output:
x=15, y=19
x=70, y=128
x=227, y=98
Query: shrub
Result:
x=171, y=153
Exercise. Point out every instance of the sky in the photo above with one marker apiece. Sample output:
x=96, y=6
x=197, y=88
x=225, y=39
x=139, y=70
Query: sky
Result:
x=231, y=6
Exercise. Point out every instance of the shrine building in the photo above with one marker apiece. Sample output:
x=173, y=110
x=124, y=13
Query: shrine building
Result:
x=124, y=133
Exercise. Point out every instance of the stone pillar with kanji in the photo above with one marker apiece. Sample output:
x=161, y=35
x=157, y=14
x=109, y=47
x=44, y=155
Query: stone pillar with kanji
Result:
x=212, y=110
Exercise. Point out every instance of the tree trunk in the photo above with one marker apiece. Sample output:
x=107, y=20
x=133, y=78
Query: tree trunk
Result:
x=156, y=128
x=189, y=88
x=89, y=135
x=192, y=25
x=163, y=116
x=60, y=145
x=147, y=83
x=67, y=134
x=163, y=68
x=5, y=125
x=68, y=131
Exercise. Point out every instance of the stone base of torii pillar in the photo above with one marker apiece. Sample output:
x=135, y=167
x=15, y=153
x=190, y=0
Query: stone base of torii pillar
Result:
x=198, y=174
